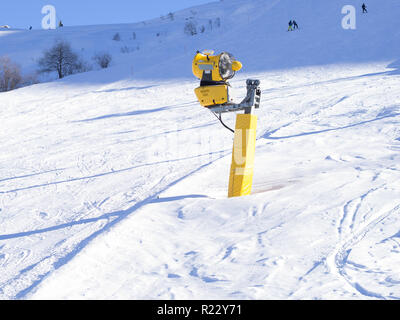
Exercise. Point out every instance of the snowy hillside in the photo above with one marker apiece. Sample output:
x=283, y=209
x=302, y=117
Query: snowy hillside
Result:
x=113, y=183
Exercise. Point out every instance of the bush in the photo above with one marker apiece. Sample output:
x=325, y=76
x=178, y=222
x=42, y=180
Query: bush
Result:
x=82, y=66
x=103, y=59
x=210, y=24
x=117, y=37
x=190, y=28
x=63, y=60
x=10, y=75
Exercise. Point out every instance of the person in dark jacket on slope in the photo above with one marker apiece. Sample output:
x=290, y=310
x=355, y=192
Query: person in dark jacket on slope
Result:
x=290, y=26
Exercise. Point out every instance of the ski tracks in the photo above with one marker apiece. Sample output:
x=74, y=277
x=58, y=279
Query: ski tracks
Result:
x=351, y=212
x=351, y=236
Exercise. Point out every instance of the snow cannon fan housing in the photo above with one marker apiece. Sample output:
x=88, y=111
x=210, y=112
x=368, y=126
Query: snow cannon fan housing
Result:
x=214, y=71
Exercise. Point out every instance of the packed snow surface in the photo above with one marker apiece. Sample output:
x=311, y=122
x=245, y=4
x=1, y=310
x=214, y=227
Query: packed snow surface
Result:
x=113, y=183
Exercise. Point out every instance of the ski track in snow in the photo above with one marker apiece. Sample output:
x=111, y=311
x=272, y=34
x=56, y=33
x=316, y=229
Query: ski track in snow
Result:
x=341, y=255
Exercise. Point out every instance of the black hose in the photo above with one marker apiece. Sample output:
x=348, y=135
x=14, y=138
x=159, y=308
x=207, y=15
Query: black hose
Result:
x=220, y=120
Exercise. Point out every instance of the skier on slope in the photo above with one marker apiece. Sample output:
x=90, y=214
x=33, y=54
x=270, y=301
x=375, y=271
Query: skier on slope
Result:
x=364, y=8
x=290, y=26
x=295, y=26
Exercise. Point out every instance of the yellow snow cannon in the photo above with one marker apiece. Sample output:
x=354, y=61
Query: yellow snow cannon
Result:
x=214, y=71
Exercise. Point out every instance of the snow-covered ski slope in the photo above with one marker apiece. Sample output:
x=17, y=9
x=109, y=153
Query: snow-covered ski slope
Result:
x=113, y=183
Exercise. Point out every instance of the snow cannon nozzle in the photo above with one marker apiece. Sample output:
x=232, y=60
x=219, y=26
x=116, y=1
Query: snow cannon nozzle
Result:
x=214, y=71
x=210, y=67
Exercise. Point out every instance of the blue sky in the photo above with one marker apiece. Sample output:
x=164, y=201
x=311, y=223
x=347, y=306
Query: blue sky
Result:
x=25, y=13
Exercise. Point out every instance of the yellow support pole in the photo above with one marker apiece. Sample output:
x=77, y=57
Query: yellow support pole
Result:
x=244, y=146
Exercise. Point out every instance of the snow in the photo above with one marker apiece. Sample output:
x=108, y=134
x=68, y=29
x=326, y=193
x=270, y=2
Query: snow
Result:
x=113, y=183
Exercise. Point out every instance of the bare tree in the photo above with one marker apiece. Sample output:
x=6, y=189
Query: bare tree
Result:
x=30, y=79
x=62, y=59
x=10, y=75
